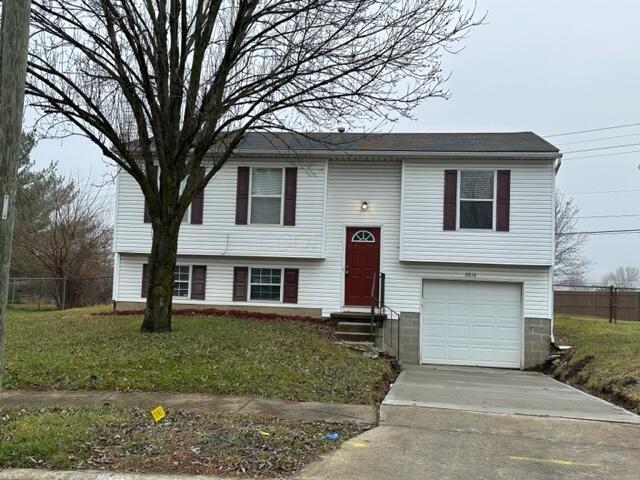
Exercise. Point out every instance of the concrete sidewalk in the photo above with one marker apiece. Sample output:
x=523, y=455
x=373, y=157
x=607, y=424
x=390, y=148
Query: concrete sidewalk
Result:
x=33, y=474
x=220, y=404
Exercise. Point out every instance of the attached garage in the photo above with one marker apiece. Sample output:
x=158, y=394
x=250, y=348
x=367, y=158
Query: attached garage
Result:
x=471, y=323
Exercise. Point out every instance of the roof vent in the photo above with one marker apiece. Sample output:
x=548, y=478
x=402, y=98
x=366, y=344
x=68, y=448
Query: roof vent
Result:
x=342, y=129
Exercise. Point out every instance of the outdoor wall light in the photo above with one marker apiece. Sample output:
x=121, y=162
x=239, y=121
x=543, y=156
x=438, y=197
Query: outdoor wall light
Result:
x=364, y=206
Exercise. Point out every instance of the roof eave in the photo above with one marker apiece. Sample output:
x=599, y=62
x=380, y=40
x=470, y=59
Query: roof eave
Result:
x=400, y=153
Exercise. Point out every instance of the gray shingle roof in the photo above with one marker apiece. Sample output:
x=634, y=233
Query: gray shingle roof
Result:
x=507, y=142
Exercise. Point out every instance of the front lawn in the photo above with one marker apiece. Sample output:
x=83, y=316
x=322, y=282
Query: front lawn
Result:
x=76, y=350
x=605, y=358
x=183, y=442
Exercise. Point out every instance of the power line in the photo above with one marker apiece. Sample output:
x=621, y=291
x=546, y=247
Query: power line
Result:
x=609, y=147
x=600, y=139
x=604, y=232
x=601, y=155
x=598, y=192
x=610, y=216
x=592, y=130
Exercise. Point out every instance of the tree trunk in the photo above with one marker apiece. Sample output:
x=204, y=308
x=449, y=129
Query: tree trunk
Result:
x=162, y=262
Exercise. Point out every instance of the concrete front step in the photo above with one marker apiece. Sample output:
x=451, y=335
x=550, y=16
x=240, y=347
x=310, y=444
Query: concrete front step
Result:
x=355, y=327
x=355, y=317
x=355, y=336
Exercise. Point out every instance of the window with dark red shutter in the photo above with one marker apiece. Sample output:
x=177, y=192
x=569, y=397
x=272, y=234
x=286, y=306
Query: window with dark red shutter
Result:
x=240, y=282
x=197, y=206
x=290, y=294
x=147, y=215
x=290, y=192
x=242, y=196
x=198, y=281
x=145, y=281
x=503, y=200
x=450, y=199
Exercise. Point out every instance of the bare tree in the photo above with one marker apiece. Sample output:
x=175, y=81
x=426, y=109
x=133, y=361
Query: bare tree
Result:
x=67, y=236
x=571, y=265
x=188, y=78
x=623, y=277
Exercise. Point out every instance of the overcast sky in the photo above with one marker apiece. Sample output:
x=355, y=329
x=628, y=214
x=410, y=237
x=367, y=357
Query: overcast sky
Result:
x=550, y=66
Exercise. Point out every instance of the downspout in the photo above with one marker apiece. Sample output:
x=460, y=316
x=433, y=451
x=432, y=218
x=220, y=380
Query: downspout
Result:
x=556, y=168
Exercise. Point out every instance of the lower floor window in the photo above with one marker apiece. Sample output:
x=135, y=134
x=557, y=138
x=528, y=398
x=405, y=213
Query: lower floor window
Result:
x=181, y=281
x=266, y=284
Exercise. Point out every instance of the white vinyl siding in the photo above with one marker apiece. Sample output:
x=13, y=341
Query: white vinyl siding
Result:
x=219, y=235
x=529, y=240
x=321, y=281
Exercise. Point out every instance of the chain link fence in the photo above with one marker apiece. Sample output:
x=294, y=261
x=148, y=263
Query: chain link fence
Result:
x=609, y=302
x=58, y=293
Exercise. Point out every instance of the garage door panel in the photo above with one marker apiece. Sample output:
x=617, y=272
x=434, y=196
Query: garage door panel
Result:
x=471, y=323
x=483, y=332
x=458, y=332
x=437, y=351
x=509, y=334
x=483, y=311
x=458, y=354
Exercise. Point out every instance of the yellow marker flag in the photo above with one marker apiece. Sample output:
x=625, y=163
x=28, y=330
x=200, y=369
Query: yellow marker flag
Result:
x=157, y=413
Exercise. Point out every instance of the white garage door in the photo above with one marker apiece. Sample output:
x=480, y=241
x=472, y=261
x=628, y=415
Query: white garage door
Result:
x=471, y=323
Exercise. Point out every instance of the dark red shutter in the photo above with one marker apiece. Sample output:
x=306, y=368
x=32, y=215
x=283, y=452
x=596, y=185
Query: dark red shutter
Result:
x=198, y=281
x=503, y=200
x=240, y=283
x=290, y=294
x=450, y=199
x=145, y=281
x=242, y=196
x=197, y=206
x=154, y=176
x=290, y=188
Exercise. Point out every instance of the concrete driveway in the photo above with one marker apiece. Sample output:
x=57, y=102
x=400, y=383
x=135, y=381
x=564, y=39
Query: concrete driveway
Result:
x=449, y=423
x=499, y=391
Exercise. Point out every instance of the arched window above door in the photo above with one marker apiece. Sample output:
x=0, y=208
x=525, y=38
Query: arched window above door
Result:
x=363, y=236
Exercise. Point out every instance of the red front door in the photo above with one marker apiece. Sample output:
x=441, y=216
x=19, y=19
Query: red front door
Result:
x=362, y=265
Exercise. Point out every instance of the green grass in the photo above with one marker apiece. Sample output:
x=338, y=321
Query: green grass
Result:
x=605, y=358
x=75, y=350
x=183, y=442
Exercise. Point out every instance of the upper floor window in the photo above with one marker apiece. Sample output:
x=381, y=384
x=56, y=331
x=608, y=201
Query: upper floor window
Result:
x=266, y=195
x=181, y=278
x=477, y=199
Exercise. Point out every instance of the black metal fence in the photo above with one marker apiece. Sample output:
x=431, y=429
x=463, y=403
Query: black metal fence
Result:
x=58, y=293
x=612, y=303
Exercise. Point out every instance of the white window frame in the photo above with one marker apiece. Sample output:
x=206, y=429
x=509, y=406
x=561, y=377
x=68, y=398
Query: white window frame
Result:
x=182, y=281
x=250, y=284
x=460, y=199
x=266, y=196
x=187, y=213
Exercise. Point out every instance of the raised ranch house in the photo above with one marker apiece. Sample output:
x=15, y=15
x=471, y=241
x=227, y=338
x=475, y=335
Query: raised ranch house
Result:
x=460, y=224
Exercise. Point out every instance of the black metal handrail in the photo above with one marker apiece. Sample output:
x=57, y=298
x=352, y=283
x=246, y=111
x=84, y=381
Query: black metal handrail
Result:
x=379, y=308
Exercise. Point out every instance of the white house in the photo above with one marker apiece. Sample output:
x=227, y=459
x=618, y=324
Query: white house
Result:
x=461, y=225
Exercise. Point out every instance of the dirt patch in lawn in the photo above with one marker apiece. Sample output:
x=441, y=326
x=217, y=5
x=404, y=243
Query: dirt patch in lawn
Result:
x=183, y=442
x=604, y=359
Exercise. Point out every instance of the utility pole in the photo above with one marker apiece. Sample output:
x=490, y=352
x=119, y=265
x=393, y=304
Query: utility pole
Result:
x=14, y=41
